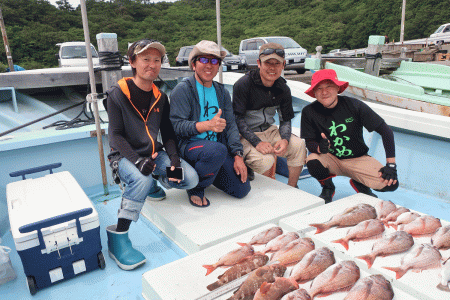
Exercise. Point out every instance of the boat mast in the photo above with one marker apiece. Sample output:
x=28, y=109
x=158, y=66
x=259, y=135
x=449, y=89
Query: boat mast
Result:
x=5, y=41
x=402, y=26
x=94, y=95
x=219, y=37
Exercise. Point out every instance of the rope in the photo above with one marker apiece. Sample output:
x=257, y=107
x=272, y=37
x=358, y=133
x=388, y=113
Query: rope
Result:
x=113, y=59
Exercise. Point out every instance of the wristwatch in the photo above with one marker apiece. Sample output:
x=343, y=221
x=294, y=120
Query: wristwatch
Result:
x=239, y=153
x=391, y=165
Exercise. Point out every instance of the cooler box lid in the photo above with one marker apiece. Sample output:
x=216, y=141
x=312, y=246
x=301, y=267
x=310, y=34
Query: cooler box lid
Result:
x=34, y=200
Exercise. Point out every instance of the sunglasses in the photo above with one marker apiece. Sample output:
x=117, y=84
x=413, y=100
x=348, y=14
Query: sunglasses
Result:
x=205, y=60
x=268, y=51
x=141, y=45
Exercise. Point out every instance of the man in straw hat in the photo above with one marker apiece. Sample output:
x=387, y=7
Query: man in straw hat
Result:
x=257, y=96
x=333, y=129
x=203, y=120
x=137, y=112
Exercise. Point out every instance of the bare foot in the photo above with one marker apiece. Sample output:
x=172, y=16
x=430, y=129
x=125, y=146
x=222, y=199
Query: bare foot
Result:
x=198, y=201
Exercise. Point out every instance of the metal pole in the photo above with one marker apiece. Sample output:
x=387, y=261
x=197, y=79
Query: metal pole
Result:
x=219, y=36
x=5, y=41
x=402, y=26
x=94, y=92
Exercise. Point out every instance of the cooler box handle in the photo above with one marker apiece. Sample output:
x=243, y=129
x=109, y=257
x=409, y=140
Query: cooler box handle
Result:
x=24, y=172
x=54, y=221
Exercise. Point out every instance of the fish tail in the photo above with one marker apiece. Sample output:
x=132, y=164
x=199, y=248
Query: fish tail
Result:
x=443, y=287
x=209, y=269
x=369, y=259
x=213, y=286
x=320, y=227
x=399, y=272
x=343, y=242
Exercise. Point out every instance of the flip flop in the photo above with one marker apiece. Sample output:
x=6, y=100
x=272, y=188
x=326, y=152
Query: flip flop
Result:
x=196, y=205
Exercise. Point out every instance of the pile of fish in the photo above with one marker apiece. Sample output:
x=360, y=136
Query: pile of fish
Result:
x=268, y=279
x=277, y=263
x=370, y=223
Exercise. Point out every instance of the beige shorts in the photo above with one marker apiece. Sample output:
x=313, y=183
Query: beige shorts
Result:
x=363, y=169
x=260, y=163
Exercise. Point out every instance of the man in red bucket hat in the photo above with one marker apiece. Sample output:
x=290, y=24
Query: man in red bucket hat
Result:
x=332, y=127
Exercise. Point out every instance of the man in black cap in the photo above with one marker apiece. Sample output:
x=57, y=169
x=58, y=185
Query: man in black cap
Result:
x=257, y=96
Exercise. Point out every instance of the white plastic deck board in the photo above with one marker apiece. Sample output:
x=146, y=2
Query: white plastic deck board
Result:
x=421, y=285
x=185, y=279
x=194, y=229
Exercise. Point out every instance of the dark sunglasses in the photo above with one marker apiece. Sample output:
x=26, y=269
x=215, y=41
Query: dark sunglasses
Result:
x=268, y=51
x=205, y=60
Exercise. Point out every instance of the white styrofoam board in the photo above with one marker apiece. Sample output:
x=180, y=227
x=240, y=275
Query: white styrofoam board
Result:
x=185, y=279
x=194, y=229
x=421, y=285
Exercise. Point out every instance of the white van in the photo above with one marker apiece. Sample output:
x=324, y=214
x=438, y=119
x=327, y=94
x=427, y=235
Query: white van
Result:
x=73, y=54
x=295, y=55
x=441, y=35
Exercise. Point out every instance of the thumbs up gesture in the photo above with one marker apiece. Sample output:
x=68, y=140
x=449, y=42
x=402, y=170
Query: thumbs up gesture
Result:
x=324, y=144
x=217, y=124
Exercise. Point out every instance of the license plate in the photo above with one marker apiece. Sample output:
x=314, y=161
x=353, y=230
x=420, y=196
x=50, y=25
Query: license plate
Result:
x=297, y=59
x=234, y=67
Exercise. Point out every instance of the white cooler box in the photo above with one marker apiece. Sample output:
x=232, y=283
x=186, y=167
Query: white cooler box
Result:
x=55, y=228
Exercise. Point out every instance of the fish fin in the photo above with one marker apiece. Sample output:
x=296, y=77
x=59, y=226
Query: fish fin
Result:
x=209, y=269
x=399, y=272
x=443, y=287
x=343, y=242
x=213, y=286
x=395, y=226
x=369, y=259
x=243, y=244
x=294, y=282
x=320, y=227
x=264, y=288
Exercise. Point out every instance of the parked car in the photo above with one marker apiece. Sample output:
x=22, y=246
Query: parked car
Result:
x=233, y=62
x=294, y=54
x=183, y=56
x=442, y=34
x=73, y=54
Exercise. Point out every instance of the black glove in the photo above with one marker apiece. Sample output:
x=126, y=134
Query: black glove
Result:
x=389, y=171
x=324, y=145
x=145, y=165
x=175, y=160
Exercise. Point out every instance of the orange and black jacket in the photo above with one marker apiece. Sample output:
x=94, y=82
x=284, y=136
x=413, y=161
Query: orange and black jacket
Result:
x=133, y=135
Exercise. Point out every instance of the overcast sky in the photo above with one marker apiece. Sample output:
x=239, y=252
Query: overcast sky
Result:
x=75, y=3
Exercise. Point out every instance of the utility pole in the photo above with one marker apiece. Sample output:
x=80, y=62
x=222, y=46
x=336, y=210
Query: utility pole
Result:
x=219, y=36
x=5, y=41
x=402, y=26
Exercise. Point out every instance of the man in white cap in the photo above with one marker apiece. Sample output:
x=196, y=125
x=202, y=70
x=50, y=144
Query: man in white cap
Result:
x=204, y=123
x=137, y=112
x=333, y=129
x=257, y=96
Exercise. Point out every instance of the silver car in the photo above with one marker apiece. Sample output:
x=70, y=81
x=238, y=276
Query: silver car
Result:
x=295, y=55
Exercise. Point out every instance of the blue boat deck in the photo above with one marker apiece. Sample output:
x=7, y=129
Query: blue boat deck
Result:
x=113, y=283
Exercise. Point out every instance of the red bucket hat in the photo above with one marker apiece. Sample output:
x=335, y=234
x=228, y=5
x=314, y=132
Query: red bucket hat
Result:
x=325, y=74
